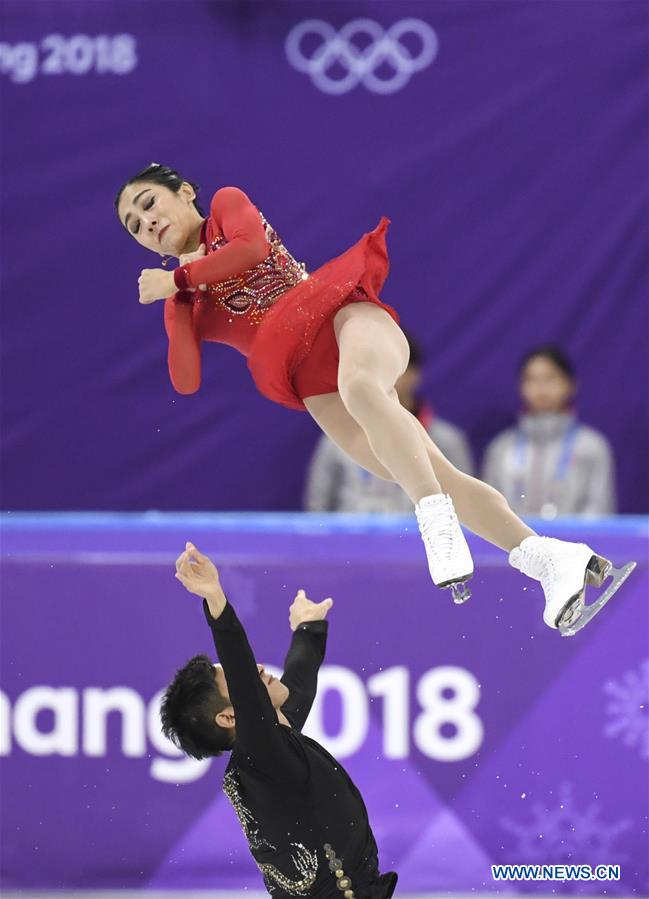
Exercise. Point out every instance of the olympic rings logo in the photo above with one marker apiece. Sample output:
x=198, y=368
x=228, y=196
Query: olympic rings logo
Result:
x=385, y=50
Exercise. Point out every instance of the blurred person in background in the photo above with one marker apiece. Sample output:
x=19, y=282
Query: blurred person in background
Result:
x=550, y=464
x=335, y=483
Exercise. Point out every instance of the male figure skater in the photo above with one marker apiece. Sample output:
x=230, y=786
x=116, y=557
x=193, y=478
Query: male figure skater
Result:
x=305, y=821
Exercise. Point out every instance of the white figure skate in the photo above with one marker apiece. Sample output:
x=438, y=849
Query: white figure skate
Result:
x=449, y=559
x=564, y=570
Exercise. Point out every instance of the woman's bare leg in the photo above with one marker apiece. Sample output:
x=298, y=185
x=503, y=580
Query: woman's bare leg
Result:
x=481, y=508
x=329, y=412
x=373, y=354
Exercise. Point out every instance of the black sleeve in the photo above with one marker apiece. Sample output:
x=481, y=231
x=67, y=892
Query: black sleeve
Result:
x=261, y=741
x=301, y=665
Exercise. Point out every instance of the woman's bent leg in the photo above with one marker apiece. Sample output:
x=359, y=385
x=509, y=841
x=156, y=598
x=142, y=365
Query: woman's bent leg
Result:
x=373, y=354
x=329, y=412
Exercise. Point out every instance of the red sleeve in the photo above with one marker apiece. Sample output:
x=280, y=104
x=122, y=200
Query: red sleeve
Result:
x=240, y=223
x=184, y=357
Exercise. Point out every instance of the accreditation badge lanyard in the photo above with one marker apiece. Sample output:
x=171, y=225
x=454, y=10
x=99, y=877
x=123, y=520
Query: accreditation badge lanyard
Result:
x=549, y=509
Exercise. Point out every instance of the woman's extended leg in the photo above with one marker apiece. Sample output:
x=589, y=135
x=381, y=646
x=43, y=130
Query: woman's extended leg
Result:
x=480, y=508
x=486, y=512
x=373, y=354
x=329, y=412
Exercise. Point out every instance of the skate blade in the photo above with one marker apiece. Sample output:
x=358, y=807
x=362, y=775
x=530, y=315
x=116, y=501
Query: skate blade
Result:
x=577, y=614
x=459, y=590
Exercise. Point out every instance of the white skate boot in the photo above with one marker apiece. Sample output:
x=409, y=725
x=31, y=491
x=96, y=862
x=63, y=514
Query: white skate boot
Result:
x=449, y=560
x=564, y=569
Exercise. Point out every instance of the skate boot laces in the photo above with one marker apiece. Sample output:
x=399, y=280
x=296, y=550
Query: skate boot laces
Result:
x=438, y=527
x=540, y=565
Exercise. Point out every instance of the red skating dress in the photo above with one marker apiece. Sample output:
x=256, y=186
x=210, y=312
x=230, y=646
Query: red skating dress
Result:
x=260, y=301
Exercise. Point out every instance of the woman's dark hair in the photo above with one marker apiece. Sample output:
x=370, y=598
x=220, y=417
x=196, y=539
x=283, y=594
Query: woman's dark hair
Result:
x=555, y=355
x=189, y=706
x=162, y=175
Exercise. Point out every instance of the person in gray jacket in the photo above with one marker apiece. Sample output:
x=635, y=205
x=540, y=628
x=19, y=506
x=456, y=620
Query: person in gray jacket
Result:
x=551, y=464
x=336, y=484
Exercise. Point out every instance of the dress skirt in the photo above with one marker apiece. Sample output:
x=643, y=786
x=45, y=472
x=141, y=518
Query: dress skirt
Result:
x=295, y=354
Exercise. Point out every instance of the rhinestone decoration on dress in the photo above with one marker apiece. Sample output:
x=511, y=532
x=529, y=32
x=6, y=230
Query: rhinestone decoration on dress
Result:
x=259, y=287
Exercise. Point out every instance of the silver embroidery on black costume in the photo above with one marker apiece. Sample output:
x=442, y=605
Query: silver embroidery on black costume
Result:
x=305, y=860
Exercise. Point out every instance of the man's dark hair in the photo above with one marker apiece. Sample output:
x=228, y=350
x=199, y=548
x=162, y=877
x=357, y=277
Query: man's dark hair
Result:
x=162, y=175
x=189, y=706
x=416, y=355
x=554, y=355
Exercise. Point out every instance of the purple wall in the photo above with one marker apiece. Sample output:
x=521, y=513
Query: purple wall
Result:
x=513, y=168
x=540, y=735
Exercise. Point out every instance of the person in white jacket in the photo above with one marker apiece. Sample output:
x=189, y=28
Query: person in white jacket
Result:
x=551, y=464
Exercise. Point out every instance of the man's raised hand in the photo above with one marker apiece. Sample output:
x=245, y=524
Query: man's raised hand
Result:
x=302, y=609
x=197, y=573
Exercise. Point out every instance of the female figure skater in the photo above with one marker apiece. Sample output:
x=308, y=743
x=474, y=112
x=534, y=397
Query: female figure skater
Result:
x=326, y=343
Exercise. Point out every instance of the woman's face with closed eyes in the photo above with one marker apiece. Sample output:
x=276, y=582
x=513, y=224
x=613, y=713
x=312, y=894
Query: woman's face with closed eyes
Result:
x=160, y=219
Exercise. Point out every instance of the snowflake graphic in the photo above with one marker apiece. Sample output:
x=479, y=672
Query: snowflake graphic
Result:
x=627, y=709
x=566, y=835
